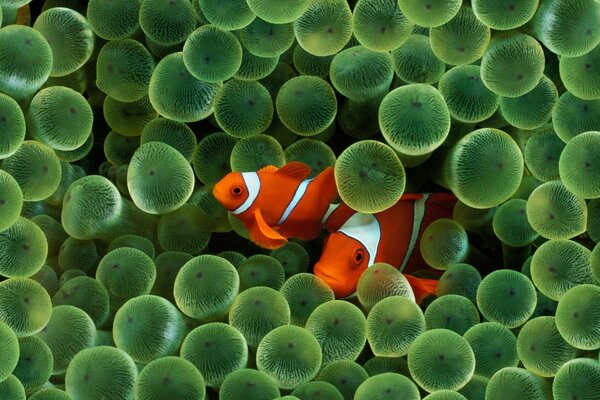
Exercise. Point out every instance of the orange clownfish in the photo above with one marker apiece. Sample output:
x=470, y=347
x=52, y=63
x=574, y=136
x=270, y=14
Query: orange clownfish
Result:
x=278, y=203
x=392, y=236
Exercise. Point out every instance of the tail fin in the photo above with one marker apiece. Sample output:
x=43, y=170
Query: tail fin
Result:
x=421, y=287
x=326, y=181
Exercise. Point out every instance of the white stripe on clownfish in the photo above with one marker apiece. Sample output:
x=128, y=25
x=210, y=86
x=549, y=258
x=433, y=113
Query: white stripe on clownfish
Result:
x=330, y=210
x=418, y=214
x=300, y=192
x=252, y=182
x=365, y=229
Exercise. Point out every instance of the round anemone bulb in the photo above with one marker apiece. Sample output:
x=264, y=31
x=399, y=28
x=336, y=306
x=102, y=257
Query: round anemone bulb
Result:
x=290, y=355
x=25, y=61
x=380, y=365
x=9, y=345
x=511, y=225
x=99, y=372
x=325, y=27
x=572, y=116
x=48, y=278
x=380, y=281
x=261, y=270
x=446, y=243
x=358, y=119
x=505, y=14
x=78, y=254
x=248, y=384
x=581, y=75
x=314, y=153
x=257, y=311
x=119, y=149
x=113, y=20
x=148, y=327
x=445, y=395
x=541, y=348
x=360, y=74
x=593, y=221
x=234, y=257
x=70, y=37
x=515, y=383
x=542, y=154
x=579, y=165
x=69, y=331
x=494, y=346
x=128, y=119
x=35, y=362
x=577, y=379
x=595, y=262
x=254, y=68
x=440, y=359
x=217, y=350
x=36, y=168
x=577, y=317
x=280, y=75
x=87, y=294
x=177, y=95
x=135, y=241
x=205, y=287
x=265, y=39
x=229, y=16
x=215, y=211
x=123, y=70
x=60, y=118
x=513, y=65
x=50, y=394
x=317, y=390
x=430, y=14
x=340, y=328
x=167, y=22
x=256, y=152
x=393, y=324
x=555, y=212
x=460, y=279
x=414, y=119
x=276, y=12
x=306, y=105
x=507, y=297
x=126, y=273
x=388, y=385
x=485, y=168
x=160, y=51
x=462, y=40
x=415, y=62
x=305, y=292
x=453, y=312
x=68, y=275
x=309, y=64
x=69, y=174
x=212, y=157
x=369, y=176
x=475, y=388
x=23, y=249
x=534, y=108
x=380, y=25
x=345, y=375
x=467, y=98
x=168, y=264
x=168, y=378
x=568, y=28
x=12, y=388
x=212, y=54
x=159, y=190
x=12, y=126
x=187, y=229
x=293, y=257
x=476, y=220
x=11, y=200
x=243, y=108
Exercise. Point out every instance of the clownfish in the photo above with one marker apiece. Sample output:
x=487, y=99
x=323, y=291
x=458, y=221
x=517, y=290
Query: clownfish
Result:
x=275, y=204
x=358, y=240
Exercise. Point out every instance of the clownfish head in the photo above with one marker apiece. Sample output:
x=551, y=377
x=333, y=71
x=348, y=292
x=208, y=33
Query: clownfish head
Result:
x=342, y=262
x=237, y=191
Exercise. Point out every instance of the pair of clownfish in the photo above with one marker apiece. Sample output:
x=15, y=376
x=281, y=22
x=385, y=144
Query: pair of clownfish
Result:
x=275, y=204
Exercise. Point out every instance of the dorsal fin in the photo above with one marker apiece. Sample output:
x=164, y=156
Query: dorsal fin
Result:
x=269, y=169
x=295, y=169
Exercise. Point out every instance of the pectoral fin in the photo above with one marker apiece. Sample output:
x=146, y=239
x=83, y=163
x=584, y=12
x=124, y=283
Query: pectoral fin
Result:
x=263, y=235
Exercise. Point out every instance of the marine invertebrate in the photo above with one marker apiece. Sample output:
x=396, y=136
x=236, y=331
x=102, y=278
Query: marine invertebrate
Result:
x=187, y=229
x=460, y=279
x=515, y=382
x=576, y=378
x=577, y=320
x=25, y=306
x=542, y=154
x=167, y=23
x=504, y=15
x=452, y=312
x=168, y=377
x=12, y=126
x=578, y=165
x=415, y=62
x=9, y=345
x=261, y=270
x=266, y=39
x=87, y=294
x=534, y=108
x=256, y=152
x=430, y=14
x=250, y=384
x=113, y=20
x=126, y=273
x=581, y=75
x=229, y=16
x=35, y=362
x=304, y=293
x=345, y=375
x=572, y=116
x=380, y=281
x=293, y=257
x=212, y=157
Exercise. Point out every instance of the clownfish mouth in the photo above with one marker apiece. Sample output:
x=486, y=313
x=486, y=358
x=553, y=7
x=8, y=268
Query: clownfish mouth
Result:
x=340, y=288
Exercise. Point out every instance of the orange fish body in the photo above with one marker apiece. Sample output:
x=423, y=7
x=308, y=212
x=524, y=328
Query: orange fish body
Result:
x=278, y=203
x=392, y=236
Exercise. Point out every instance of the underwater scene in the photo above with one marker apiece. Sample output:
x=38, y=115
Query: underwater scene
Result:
x=300, y=199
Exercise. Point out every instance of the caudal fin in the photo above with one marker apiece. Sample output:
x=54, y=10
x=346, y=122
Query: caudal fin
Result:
x=421, y=287
x=328, y=188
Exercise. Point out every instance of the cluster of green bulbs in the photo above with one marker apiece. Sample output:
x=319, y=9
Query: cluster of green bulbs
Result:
x=123, y=278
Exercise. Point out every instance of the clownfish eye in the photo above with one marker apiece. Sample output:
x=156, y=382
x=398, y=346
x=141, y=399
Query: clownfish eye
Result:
x=358, y=256
x=236, y=190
